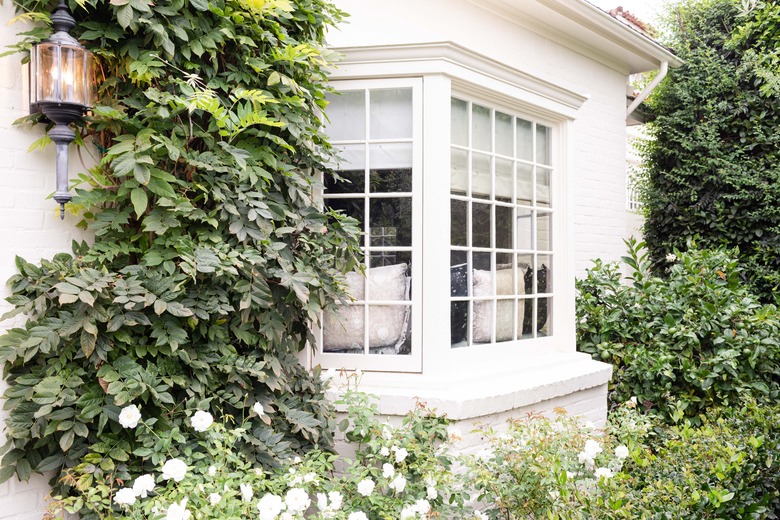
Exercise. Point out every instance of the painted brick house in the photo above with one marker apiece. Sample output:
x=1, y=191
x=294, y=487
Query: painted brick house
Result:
x=485, y=142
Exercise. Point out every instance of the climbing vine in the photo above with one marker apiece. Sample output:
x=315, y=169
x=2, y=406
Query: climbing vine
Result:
x=213, y=255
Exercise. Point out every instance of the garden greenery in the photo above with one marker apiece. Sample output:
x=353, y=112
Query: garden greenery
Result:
x=213, y=254
x=682, y=344
x=713, y=157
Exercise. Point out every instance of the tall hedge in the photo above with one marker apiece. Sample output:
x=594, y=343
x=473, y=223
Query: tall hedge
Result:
x=714, y=160
x=213, y=254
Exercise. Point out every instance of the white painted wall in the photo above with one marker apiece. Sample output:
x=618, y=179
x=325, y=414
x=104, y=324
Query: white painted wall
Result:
x=598, y=135
x=29, y=225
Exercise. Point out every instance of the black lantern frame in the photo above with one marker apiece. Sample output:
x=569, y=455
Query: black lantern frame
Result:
x=61, y=87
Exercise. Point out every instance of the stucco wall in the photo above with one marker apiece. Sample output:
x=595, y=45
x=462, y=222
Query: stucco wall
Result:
x=29, y=225
x=597, y=140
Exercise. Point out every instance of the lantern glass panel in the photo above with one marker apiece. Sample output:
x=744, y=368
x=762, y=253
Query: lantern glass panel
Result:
x=89, y=80
x=46, y=69
x=72, y=75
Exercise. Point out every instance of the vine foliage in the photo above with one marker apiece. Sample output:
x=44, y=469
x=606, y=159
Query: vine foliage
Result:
x=213, y=253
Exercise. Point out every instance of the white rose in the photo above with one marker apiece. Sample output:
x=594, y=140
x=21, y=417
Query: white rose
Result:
x=384, y=451
x=270, y=506
x=129, y=416
x=212, y=471
x=423, y=507
x=399, y=484
x=357, y=515
x=336, y=499
x=178, y=511
x=431, y=493
x=592, y=448
x=366, y=487
x=621, y=452
x=125, y=497
x=401, y=454
x=174, y=469
x=258, y=409
x=201, y=421
x=246, y=492
x=603, y=472
x=297, y=500
x=214, y=498
x=408, y=512
x=388, y=470
x=143, y=485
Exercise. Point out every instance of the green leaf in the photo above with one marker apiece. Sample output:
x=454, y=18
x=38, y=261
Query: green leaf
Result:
x=200, y=5
x=140, y=201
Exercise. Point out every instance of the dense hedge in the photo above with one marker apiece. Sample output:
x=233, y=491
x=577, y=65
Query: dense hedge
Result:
x=713, y=164
x=213, y=255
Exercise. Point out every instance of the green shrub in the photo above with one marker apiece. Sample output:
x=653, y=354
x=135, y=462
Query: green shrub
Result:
x=683, y=343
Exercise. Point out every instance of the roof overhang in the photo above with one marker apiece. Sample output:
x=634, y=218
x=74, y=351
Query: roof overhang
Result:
x=587, y=29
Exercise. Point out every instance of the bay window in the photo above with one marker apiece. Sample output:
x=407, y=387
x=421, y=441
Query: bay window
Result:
x=459, y=256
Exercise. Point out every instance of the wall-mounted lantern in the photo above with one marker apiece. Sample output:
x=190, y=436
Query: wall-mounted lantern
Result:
x=61, y=72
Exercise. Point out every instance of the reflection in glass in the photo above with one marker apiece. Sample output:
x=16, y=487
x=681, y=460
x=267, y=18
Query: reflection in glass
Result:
x=525, y=184
x=391, y=156
x=524, y=140
x=459, y=168
x=544, y=317
x=346, y=116
x=543, y=178
x=391, y=215
x=504, y=228
x=544, y=274
x=543, y=144
x=481, y=224
x=481, y=176
x=525, y=272
x=504, y=134
x=481, y=131
x=459, y=323
x=481, y=261
x=529, y=307
x=525, y=229
x=459, y=273
x=503, y=180
x=351, y=157
x=460, y=122
x=390, y=181
x=352, y=181
x=391, y=113
x=458, y=222
x=544, y=231
x=384, y=258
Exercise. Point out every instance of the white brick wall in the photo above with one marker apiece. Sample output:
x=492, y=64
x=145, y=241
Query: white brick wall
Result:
x=29, y=225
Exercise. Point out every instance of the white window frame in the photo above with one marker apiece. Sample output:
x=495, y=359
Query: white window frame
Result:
x=377, y=362
x=447, y=70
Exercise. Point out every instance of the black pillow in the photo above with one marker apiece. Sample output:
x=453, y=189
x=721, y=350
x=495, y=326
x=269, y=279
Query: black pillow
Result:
x=459, y=311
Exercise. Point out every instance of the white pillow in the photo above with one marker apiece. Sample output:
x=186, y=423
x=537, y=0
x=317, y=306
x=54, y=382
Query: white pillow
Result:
x=343, y=328
x=482, y=285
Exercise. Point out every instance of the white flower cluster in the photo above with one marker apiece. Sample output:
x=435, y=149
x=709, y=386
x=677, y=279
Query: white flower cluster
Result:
x=419, y=509
x=329, y=504
x=588, y=454
x=295, y=502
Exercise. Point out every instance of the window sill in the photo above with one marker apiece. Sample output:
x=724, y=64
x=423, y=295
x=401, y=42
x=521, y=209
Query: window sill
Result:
x=462, y=396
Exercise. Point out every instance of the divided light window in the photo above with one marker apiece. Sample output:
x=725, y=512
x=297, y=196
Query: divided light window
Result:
x=501, y=213
x=374, y=130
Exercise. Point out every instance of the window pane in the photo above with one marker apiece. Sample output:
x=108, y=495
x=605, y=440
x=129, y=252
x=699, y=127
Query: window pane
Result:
x=544, y=231
x=459, y=176
x=387, y=156
x=544, y=274
x=343, y=331
x=481, y=224
x=459, y=273
x=459, y=287
x=458, y=222
x=544, y=317
x=504, y=135
x=525, y=184
x=481, y=176
x=352, y=157
x=391, y=113
x=384, y=258
x=504, y=180
x=481, y=131
x=524, y=229
x=387, y=328
x=542, y=144
x=525, y=273
x=352, y=182
x=391, y=221
x=543, y=179
x=459, y=323
x=525, y=140
x=346, y=116
x=391, y=181
x=355, y=208
x=460, y=122
x=505, y=320
x=481, y=260
x=529, y=307
x=504, y=228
